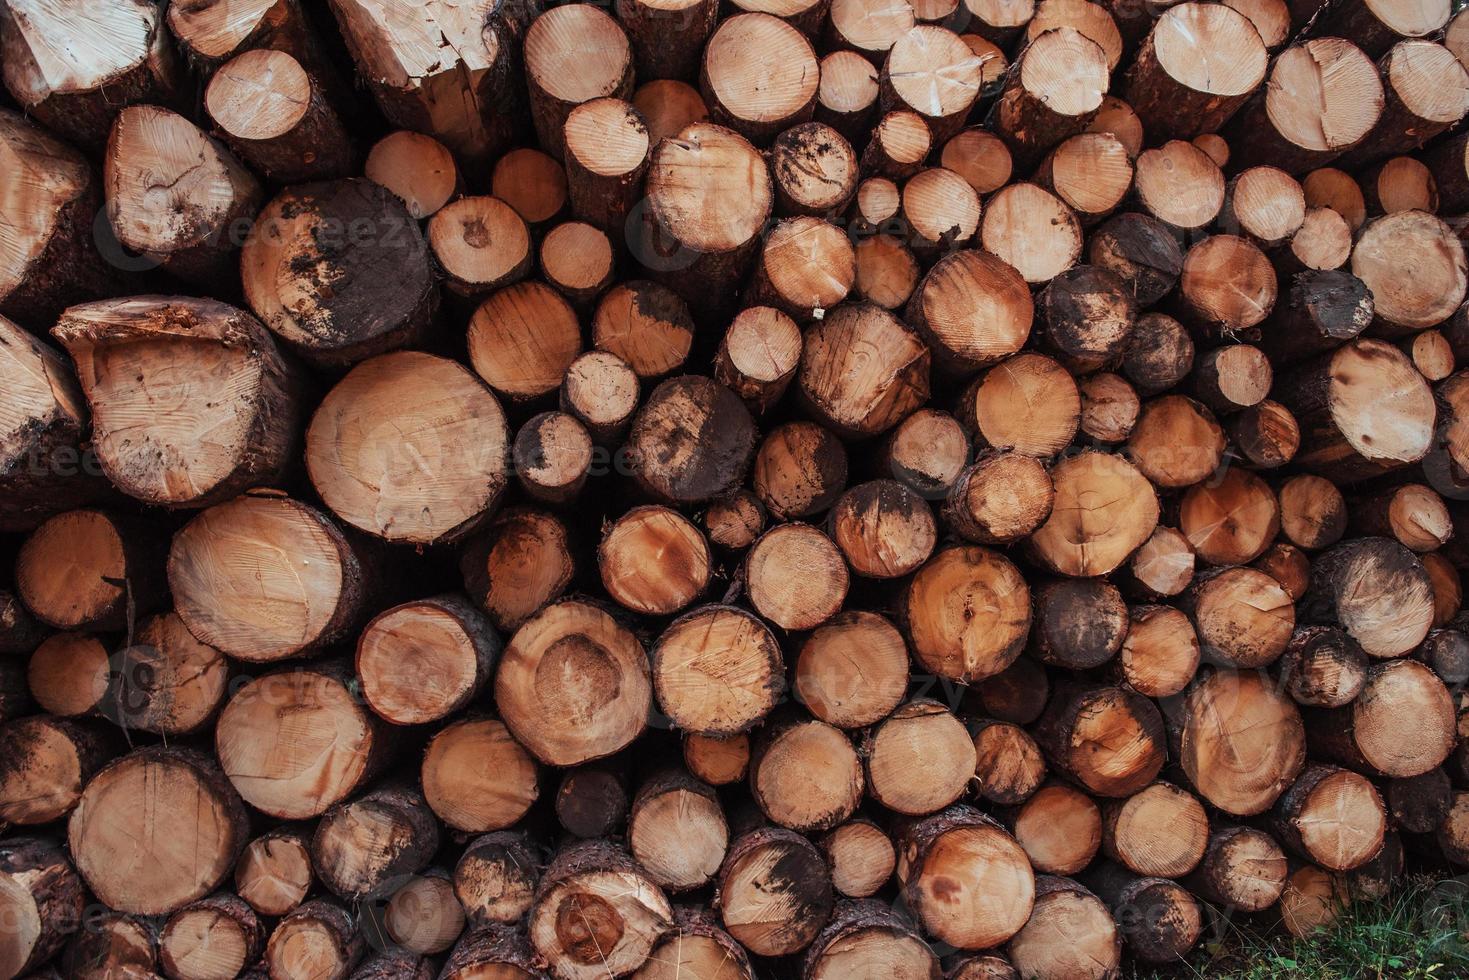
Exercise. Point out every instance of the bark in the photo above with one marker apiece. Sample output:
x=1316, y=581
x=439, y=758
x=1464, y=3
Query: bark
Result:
x=667, y=40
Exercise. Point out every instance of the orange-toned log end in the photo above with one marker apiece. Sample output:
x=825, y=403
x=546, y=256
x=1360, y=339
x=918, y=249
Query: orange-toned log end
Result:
x=963, y=648
x=237, y=588
x=181, y=805
x=967, y=881
x=596, y=910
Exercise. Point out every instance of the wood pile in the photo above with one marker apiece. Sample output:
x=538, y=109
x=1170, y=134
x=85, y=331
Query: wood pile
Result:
x=825, y=489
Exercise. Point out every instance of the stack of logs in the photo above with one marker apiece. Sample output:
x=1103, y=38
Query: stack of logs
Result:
x=821, y=489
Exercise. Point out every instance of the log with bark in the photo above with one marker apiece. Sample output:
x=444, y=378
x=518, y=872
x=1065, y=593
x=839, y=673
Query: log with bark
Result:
x=318, y=938
x=143, y=362
x=91, y=569
x=317, y=264
x=175, y=816
x=210, y=195
x=596, y=911
x=965, y=879
x=1299, y=120
x=43, y=900
x=51, y=195
x=274, y=871
x=1171, y=87
x=51, y=762
x=449, y=70
x=1028, y=403
x=213, y=937
x=279, y=118
x=312, y=705
x=75, y=69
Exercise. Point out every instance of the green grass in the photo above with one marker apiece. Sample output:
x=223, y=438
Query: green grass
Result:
x=1420, y=931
